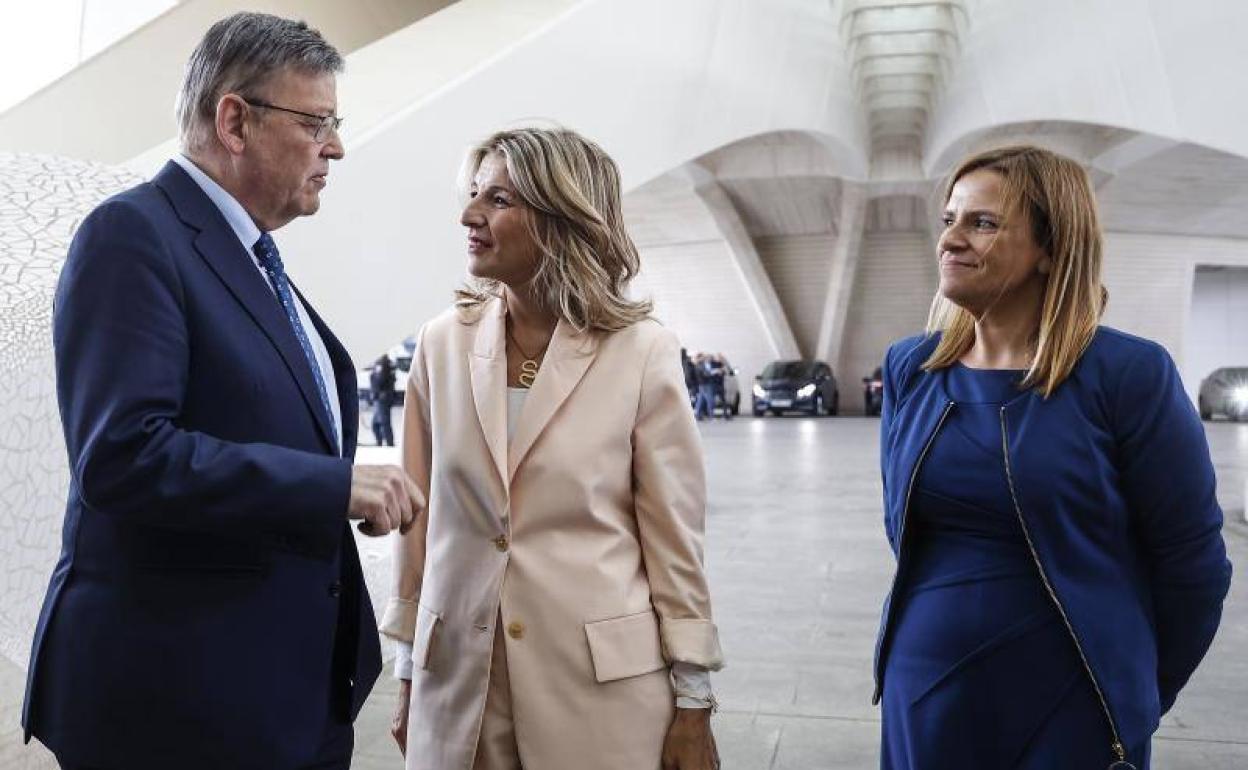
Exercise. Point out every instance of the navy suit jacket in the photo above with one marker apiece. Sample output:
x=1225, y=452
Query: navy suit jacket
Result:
x=208, y=609
x=1115, y=486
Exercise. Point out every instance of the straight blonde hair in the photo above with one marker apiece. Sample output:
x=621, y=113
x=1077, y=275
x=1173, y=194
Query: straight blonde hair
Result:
x=571, y=189
x=1052, y=193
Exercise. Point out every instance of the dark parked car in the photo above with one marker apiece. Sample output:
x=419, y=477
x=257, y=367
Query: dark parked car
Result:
x=806, y=386
x=873, y=392
x=1225, y=392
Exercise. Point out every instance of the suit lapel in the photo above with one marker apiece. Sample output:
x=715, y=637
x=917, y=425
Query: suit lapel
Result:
x=345, y=386
x=219, y=247
x=488, y=368
x=567, y=360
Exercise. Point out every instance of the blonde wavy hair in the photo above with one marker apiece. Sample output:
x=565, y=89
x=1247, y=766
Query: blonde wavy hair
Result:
x=1052, y=194
x=571, y=191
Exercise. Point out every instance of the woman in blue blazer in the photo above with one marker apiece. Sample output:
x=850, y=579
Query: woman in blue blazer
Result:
x=1049, y=496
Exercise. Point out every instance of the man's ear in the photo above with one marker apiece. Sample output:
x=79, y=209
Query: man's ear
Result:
x=231, y=123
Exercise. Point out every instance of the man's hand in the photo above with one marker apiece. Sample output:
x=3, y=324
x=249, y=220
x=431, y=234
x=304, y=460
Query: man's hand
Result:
x=689, y=744
x=385, y=498
x=398, y=726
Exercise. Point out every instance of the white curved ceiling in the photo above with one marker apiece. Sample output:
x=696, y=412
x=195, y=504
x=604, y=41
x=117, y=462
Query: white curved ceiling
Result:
x=901, y=54
x=130, y=85
x=874, y=96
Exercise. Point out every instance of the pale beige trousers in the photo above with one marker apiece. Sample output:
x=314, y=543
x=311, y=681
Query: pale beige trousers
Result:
x=496, y=746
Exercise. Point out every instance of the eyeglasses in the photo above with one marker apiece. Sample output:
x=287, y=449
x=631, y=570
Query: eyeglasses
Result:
x=324, y=123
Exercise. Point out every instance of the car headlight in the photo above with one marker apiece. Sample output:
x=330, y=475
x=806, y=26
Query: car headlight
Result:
x=1240, y=395
x=759, y=392
x=806, y=391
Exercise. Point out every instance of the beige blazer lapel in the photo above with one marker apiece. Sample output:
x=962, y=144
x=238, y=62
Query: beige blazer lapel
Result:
x=488, y=364
x=567, y=359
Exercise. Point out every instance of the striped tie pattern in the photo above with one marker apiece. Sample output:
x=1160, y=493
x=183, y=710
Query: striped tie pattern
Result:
x=266, y=251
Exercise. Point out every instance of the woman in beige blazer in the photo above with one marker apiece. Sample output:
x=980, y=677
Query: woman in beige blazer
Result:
x=551, y=604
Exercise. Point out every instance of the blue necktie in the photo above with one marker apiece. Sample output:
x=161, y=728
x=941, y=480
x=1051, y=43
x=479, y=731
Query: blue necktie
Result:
x=271, y=261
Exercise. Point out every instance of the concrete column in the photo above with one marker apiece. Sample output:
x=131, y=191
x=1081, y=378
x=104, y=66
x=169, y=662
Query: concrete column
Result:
x=844, y=258
x=747, y=262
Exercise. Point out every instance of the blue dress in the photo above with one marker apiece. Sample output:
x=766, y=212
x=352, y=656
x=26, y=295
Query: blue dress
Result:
x=979, y=669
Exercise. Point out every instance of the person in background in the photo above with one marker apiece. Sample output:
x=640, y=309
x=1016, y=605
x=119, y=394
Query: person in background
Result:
x=1049, y=495
x=381, y=383
x=551, y=606
x=719, y=375
x=704, y=402
x=691, y=374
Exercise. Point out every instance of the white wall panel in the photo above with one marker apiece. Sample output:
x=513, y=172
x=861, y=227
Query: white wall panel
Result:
x=893, y=289
x=1150, y=279
x=798, y=266
x=699, y=294
x=1217, y=332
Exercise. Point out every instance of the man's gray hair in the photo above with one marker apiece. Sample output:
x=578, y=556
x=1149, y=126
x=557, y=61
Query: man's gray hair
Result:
x=238, y=55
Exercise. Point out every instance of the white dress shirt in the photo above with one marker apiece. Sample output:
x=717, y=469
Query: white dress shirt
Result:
x=248, y=233
x=692, y=684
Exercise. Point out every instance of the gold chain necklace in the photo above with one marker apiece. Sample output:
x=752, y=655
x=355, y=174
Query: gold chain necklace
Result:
x=530, y=364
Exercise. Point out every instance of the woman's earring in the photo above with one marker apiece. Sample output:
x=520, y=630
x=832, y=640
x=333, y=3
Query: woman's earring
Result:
x=1044, y=265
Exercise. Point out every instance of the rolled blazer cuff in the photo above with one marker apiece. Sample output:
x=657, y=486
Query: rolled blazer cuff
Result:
x=399, y=620
x=693, y=641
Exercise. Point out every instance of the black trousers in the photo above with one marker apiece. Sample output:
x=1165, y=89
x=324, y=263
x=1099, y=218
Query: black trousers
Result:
x=382, y=432
x=333, y=754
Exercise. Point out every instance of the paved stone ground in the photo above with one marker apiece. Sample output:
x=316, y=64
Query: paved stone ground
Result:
x=798, y=567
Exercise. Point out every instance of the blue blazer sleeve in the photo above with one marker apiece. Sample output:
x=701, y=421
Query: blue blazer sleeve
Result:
x=1169, y=484
x=888, y=405
x=122, y=351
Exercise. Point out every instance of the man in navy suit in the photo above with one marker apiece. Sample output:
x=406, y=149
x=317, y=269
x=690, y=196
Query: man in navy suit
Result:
x=208, y=609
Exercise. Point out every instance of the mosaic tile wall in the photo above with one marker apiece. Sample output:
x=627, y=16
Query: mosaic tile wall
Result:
x=42, y=200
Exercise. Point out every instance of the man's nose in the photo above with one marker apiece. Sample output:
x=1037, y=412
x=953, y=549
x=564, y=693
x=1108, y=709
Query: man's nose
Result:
x=334, y=148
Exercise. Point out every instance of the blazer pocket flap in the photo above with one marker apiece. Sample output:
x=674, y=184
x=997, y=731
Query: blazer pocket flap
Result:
x=427, y=622
x=625, y=646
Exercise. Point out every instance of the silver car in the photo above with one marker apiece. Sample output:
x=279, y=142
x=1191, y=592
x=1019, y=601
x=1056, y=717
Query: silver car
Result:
x=1225, y=392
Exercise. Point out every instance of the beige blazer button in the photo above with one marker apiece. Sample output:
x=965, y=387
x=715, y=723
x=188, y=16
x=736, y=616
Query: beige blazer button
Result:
x=515, y=629
x=500, y=542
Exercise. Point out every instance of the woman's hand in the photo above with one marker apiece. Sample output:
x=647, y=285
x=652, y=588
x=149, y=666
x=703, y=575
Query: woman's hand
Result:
x=689, y=744
x=398, y=725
